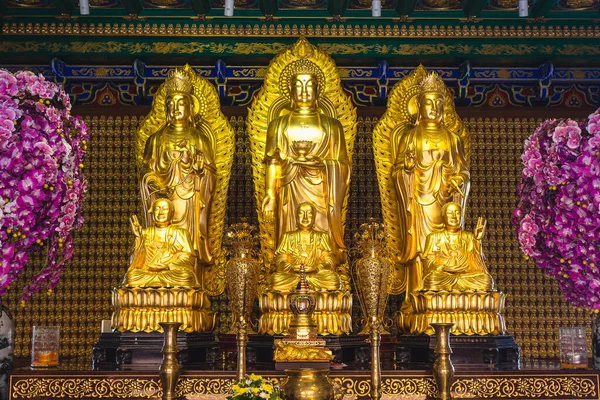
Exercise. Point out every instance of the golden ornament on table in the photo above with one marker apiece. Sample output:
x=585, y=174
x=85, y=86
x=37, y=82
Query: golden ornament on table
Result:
x=184, y=152
x=241, y=273
x=302, y=128
x=372, y=273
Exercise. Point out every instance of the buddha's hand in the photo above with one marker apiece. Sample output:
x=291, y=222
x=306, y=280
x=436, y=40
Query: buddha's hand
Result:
x=409, y=160
x=479, y=230
x=456, y=184
x=135, y=226
x=268, y=208
x=309, y=161
x=199, y=161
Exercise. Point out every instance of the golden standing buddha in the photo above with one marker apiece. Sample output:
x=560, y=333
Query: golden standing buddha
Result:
x=422, y=159
x=178, y=163
x=430, y=170
x=184, y=152
x=302, y=128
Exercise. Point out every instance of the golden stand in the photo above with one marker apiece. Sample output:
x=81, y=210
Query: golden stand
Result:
x=471, y=312
x=170, y=368
x=333, y=312
x=141, y=309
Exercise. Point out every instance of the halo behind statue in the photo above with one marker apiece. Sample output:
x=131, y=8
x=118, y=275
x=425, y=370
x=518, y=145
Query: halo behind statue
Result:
x=274, y=100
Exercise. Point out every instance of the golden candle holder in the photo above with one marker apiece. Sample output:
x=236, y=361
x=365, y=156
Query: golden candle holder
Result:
x=241, y=277
x=371, y=274
x=170, y=368
x=443, y=369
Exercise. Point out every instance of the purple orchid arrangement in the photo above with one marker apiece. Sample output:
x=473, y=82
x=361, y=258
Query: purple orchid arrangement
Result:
x=41, y=179
x=558, y=216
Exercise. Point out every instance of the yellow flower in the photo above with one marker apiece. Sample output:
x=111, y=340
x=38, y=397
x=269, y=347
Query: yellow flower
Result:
x=255, y=377
x=238, y=391
x=256, y=391
x=267, y=388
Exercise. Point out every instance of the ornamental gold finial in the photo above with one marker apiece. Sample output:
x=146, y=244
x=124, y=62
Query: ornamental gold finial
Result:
x=302, y=48
x=178, y=82
x=432, y=83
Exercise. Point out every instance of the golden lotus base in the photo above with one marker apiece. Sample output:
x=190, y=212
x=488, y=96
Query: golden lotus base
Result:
x=473, y=312
x=333, y=312
x=141, y=309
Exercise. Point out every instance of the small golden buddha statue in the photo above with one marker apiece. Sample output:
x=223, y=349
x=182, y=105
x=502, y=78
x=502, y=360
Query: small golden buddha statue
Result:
x=305, y=248
x=452, y=258
x=179, y=164
x=163, y=256
x=306, y=162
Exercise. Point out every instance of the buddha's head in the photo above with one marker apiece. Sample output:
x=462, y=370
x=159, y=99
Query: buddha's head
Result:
x=431, y=99
x=178, y=101
x=162, y=212
x=305, y=216
x=304, y=89
x=451, y=212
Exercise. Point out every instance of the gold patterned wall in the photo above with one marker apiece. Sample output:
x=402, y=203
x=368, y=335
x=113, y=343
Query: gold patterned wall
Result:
x=535, y=308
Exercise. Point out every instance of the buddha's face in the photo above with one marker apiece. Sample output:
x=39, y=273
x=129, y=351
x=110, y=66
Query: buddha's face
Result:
x=452, y=215
x=306, y=216
x=179, y=108
x=431, y=107
x=304, y=90
x=162, y=212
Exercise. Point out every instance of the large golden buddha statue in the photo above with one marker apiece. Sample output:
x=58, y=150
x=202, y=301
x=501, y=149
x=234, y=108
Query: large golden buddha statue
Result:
x=422, y=152
x=184, y=153
x=302, y=128
x=452, y=258
x=164, y=254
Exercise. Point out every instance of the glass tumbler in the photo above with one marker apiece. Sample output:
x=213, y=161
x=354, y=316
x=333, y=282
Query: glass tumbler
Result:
x=44, y=346
x=573, y=348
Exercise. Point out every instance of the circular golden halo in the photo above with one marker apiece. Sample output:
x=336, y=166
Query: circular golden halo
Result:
x=299, y=66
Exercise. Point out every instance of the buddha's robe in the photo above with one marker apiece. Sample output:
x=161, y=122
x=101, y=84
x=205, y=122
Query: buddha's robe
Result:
x=423, y=187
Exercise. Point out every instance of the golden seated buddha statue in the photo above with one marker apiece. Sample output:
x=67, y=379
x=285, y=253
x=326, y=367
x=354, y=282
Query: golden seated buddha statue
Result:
x=305, y=247
x=457, y=286
x=160, y=284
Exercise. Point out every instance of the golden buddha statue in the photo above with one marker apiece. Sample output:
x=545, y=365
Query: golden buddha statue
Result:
x=306, y=161
x=185, y=152
x=305, y=248
x=302, y=128
x=163, y=256
x=452, y=258
x=179, y=164
x=422, y=153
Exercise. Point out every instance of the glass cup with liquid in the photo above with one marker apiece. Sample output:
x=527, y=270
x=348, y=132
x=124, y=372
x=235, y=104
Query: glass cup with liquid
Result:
x=44, y=346
x=573, y=348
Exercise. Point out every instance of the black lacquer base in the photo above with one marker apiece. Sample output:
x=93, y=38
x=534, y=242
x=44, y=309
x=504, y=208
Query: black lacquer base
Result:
x=468, y=352
x=128, y=351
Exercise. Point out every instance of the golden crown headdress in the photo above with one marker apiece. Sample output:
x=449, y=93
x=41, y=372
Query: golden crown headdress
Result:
x=178, y=82
x=432, y=83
